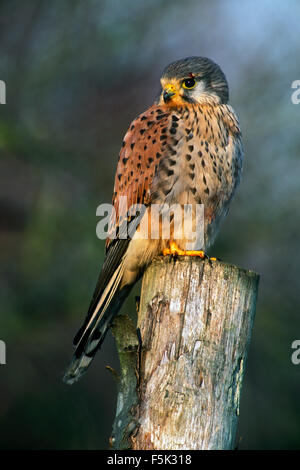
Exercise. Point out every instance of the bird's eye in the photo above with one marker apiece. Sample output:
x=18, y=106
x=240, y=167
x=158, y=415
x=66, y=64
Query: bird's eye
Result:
x=189, y=83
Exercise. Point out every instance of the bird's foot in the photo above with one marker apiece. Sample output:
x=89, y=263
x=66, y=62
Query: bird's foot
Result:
x=174, y=250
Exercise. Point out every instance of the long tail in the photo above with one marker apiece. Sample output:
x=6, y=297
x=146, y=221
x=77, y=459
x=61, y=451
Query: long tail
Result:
x=91, y=335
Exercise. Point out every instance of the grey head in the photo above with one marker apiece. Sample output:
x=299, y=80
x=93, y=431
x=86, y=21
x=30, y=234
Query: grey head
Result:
x=195, y=78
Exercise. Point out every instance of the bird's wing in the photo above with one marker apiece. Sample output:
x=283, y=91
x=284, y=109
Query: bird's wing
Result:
x=139, y=157
x=142, y=149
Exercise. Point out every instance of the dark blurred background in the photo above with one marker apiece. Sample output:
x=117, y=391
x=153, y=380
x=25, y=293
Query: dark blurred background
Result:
x=76, y=74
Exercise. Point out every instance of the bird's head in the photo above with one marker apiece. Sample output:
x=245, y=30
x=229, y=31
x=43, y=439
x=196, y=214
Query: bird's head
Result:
x=193, y=80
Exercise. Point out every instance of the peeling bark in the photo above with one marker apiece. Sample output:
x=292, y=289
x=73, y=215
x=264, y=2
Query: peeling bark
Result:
x=195, y=322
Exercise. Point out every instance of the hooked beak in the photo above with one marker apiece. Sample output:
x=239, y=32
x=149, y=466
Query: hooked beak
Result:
x=168, y=92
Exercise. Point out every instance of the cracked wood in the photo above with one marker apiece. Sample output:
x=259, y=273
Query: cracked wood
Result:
x=195, y=321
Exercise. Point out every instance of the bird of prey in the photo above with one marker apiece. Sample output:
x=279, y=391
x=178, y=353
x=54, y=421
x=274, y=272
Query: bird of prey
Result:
x=185, y=149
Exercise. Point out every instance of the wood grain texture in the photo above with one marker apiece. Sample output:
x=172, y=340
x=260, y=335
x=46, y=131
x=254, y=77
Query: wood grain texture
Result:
x=195, y=321
x=127, y=343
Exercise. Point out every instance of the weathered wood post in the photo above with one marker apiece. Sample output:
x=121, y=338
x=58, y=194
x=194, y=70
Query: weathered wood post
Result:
x=181, y=389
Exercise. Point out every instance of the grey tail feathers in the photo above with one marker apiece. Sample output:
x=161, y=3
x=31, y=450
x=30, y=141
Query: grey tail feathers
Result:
x=90, y=337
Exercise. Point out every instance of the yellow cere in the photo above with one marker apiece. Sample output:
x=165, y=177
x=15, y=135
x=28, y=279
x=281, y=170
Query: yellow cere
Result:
x=170, y=88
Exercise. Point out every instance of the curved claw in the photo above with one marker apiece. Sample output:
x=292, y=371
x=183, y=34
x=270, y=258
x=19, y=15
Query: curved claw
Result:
x=174, y=250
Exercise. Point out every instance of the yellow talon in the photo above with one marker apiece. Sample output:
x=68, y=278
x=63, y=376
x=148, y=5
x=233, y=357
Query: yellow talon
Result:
x=175, y=250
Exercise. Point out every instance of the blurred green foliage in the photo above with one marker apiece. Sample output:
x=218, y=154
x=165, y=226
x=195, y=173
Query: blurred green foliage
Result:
x=76, y=74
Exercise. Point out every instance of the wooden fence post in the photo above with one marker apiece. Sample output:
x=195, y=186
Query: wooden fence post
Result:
x=195, y=323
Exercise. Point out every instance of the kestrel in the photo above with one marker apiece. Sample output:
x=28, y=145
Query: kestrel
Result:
x=185, y=149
